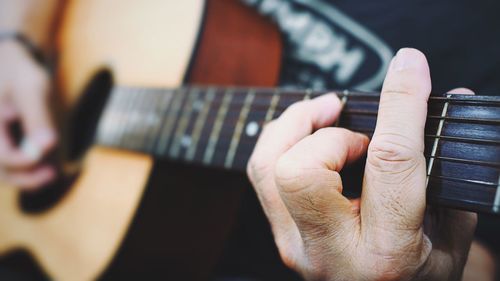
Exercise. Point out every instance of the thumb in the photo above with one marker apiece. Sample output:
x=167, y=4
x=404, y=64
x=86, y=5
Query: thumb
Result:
x=393, y=199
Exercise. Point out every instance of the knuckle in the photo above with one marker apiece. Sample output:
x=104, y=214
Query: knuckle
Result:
x=325, y=132
x=259, y=165
x=289, y=174
x=393, y=153
x=297, y=107
x=329, y=133
x=257, y=168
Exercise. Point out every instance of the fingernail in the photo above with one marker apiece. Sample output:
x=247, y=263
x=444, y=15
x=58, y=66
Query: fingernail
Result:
x=406, y=58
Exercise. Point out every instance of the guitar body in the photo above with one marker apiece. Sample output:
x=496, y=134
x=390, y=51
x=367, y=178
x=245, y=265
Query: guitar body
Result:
x=149, y=43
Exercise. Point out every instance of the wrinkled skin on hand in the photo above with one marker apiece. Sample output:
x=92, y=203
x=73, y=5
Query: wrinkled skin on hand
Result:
x=387, y=234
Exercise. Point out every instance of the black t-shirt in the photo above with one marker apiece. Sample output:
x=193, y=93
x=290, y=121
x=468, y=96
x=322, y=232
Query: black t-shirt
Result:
x=348, y=44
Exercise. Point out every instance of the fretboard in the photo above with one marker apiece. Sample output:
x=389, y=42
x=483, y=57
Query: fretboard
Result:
x=218, y=127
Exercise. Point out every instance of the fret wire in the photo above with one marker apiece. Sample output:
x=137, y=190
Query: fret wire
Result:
x=496, y=202
x=199, y=124
x=115, y=109
x=149, y=116
x=123, y=107
x=239, y=129
x=111, y=129
x=170, y=120
x=168, y=100
x=106, y=123
x=272, y=107
x=214, y=136
x=129, y=123
x=137, y=132
x=160, y=110
x=308, y=94
x=436, y=143
x=343, y=102
x=127, y=138
x=183, y=123
x=164, y=98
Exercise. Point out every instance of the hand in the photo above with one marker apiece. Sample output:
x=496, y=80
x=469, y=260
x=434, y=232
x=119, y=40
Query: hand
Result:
x=24, y=89
x=380, y=236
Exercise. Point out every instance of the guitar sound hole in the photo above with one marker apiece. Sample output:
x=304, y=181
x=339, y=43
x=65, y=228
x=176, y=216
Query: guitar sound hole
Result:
x=85, y=117
x=44, y=198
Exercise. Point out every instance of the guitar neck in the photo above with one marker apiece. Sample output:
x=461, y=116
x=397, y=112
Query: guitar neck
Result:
x=218, y=127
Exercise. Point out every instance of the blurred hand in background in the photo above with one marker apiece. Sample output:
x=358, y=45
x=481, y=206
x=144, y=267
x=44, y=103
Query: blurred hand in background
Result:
x=24, y=93
x=24, y=89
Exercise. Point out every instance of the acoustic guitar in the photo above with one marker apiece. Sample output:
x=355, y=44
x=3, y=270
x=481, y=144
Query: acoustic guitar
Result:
x=191, y=82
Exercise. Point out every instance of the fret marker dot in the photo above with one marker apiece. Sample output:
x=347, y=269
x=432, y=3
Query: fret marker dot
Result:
x=252, y=129
x=186, y=141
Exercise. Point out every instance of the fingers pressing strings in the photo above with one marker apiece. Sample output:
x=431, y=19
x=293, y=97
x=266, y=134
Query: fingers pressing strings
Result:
x=297, y=122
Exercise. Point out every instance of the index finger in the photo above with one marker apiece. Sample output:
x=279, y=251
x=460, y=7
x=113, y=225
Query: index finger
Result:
x=297, y=122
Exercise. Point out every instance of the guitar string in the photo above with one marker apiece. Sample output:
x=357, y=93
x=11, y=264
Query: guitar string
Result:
x=281, y=108
x=445, y=136
x=456, y=119
x=264, y=107
x=456, y=98
x=453, y=138
x=297, y=97
x=250, y=143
